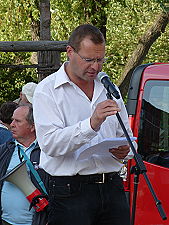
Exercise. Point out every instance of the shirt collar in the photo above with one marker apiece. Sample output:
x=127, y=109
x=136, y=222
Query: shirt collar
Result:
x=3, y=126
x=62, y=77
x=23, y=147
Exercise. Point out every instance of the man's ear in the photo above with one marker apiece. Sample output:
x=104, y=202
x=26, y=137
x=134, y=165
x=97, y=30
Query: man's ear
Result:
x=70, y=51
x=33, y=127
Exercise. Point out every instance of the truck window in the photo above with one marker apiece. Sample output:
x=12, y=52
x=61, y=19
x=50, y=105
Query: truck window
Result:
x=153, y=137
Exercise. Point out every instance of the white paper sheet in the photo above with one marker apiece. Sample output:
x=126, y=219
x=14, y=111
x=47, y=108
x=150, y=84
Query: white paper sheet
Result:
x=103, y=147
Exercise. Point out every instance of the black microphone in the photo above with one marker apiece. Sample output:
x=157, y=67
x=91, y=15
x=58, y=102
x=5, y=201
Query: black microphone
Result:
x=105, y=80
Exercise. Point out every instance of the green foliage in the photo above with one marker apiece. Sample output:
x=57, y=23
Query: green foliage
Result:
x=164, y=5
x=68, y=14
x=12, y=79
x=15, y=25
x=125, y=25
x=125, y=22
x=16, y=19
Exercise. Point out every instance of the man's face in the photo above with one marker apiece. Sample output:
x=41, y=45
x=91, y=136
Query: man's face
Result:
x=20, y=127
x=79, y=68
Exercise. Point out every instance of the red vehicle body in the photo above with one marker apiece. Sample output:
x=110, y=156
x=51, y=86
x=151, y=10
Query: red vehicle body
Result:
x=148, y=109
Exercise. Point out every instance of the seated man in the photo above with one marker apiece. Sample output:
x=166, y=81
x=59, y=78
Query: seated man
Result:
x=14, y=205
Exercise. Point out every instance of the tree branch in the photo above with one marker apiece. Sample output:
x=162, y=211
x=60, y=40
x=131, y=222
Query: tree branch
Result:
x=142, y=49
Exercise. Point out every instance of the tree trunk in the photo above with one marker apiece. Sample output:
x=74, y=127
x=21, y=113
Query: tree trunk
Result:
x=50, y=59
x=142, y=49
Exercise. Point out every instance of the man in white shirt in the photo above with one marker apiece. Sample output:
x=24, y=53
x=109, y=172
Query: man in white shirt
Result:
x=72, y=113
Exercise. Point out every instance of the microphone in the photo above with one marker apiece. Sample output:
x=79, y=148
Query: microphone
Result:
x=105, y=80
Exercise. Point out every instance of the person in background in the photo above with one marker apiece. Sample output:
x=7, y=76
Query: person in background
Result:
x=14, y=206
x=6, y=112
x=72, y=113
x=26, y=95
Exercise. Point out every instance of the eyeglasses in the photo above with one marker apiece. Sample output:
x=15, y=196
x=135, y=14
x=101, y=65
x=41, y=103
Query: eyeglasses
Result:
x=90, y=61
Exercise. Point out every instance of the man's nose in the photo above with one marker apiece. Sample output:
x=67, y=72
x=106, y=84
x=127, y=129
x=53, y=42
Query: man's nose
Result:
x=12, y=124
x=95, y=65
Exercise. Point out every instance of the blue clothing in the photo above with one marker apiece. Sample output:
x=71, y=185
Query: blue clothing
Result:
x=16, y=213
x=5, y=135
x=6, y=152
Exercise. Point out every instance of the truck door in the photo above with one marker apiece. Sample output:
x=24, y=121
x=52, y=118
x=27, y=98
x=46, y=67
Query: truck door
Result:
x=148, y=109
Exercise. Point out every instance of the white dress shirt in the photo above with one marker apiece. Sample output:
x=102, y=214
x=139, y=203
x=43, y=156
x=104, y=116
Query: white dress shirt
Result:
x=62, y=114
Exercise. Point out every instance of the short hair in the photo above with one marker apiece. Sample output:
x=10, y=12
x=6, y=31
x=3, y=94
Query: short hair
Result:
x=83, y=31
x=6, y=111
x=29, y=116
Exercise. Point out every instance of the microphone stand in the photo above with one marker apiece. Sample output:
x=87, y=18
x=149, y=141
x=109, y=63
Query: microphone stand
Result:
x=138, y=169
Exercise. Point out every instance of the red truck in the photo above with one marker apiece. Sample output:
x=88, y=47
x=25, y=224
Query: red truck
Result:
x=148, y=110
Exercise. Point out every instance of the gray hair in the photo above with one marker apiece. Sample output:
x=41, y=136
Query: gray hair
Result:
x=29, y=116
